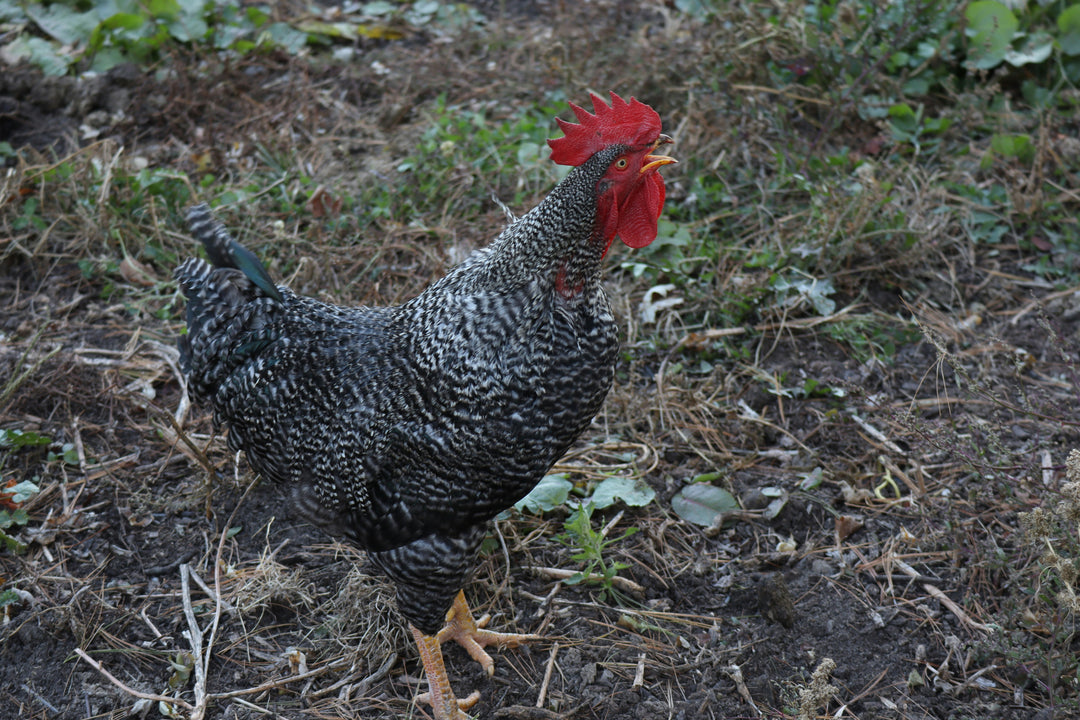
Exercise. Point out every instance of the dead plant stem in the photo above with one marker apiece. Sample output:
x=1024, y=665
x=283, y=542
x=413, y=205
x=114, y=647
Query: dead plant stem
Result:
x=130, y=691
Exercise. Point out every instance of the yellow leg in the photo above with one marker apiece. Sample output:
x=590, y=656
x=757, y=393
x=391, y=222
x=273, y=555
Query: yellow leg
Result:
x=469, y=633
x=439, y=694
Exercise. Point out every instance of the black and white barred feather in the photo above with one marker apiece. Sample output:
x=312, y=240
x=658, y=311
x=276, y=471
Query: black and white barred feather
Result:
x=408, y=428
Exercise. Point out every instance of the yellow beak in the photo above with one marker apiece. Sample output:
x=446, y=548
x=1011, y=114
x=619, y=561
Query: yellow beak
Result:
x=652, y=162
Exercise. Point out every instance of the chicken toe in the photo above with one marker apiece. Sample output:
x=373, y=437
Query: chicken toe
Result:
x=471, y=635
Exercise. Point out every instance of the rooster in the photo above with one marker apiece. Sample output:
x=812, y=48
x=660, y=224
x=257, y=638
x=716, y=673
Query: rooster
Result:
x=406, y=429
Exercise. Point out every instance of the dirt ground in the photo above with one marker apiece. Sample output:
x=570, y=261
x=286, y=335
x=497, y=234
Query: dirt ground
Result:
x=878, y=533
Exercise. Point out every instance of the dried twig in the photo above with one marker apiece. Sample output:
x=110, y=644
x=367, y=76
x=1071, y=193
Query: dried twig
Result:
x=561, y=574
x=175, y=432
x=194, y=635
x=130, y=691
x=956, y=609
x=968, y=682
x=360, y=688
x=639, y=673
x=194, y=632
x=735, y=673
x=279, y=682
x=547, y=676
x=645, y=461
x=37, y=696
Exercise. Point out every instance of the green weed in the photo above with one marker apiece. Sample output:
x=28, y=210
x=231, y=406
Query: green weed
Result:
x=590, y=547
x=14, y=494
x=873, y=337
x=465, y=158
x=68, y=35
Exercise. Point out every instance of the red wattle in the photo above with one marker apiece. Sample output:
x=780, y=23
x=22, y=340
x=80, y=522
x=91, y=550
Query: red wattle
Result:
x=640, y=212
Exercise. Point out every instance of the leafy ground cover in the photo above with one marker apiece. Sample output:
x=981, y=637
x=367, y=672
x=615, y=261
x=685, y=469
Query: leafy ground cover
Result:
x=834, y=476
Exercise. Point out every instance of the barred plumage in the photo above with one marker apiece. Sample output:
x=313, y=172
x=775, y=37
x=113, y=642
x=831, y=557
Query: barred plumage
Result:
x=408, y=428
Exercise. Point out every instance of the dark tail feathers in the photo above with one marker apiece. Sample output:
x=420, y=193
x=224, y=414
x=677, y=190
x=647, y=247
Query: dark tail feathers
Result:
x=224, y=252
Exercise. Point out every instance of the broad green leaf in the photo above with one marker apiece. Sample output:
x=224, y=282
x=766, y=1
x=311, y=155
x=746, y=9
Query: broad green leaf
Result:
x=192, y=7
x=258, y=16
x=124, y=21
x=339, y=30
x=70, y=454
x=107, y=58
x=38, y=51
x=1036, y=95
x=1069, y=30
x=991, y=26
x=22, y=491
x=107, y=8
x=903, y=117
x=1018, y=146
x=379, y=7
x=818, y=294
x=166, y=9
x=551, y=492
x=235, y=35
x=18, y=439
x=633, y=492
x=11, y=12
x=11, y=543
x=187, y=27
x=874, y=106
x=15, y=517
x=701, y=503
x=936, y=126
x=815, y=290
x=1035, y=49
x=917, y=86
x=698, y=9
x=286, y=37
x=63, y=23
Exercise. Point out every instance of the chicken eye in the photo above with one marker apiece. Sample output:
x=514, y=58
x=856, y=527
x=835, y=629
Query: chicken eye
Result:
x=621, y=163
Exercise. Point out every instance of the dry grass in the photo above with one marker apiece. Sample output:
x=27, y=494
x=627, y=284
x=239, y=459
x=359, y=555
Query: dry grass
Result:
x=153, y=556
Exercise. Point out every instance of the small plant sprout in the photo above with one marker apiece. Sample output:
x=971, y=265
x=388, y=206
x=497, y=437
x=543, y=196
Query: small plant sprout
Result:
x=590, y=546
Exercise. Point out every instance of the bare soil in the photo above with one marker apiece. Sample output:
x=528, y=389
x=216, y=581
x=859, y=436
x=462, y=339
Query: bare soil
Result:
x=905, y=565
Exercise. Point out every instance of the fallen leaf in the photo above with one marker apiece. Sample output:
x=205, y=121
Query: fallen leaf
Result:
x=323, y=204
x=846, y=525
x=136, y=273
x=702, y=503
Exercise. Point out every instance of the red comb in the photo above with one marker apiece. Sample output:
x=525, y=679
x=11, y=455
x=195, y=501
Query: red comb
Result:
x=622, y=123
